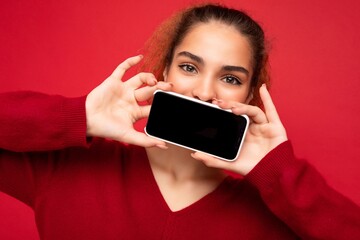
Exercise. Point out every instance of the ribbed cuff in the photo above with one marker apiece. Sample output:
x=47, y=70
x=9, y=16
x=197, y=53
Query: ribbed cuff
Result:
x=74, y=122
x=272, y=166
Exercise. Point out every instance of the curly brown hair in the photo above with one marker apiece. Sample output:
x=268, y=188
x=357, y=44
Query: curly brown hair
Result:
x=159, y=49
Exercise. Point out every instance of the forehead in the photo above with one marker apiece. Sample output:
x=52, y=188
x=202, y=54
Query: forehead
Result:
x=218, y=43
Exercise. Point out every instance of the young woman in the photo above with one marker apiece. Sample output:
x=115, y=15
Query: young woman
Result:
x=88, y=174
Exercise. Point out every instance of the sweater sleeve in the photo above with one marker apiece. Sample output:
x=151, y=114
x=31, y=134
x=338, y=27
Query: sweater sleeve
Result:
x=32, y=121
x=296, y=193
x=32, y=125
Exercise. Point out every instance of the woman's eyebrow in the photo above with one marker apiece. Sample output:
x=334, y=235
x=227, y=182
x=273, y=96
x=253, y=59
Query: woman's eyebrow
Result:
x=225, y=68
x=191, y=56
x=236, y=69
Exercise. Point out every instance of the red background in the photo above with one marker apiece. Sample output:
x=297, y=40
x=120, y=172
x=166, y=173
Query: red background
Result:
x=69, y=47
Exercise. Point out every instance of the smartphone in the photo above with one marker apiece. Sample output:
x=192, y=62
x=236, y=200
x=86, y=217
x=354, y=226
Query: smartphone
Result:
x=196, y=125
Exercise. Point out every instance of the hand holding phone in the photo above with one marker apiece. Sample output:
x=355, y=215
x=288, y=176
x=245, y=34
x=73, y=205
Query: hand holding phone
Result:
x=196, y=125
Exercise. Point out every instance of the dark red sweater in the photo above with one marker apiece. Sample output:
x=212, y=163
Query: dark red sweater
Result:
x=105, y=190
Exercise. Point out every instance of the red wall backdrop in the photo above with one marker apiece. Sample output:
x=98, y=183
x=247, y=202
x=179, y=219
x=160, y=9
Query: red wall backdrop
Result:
x=68, y=47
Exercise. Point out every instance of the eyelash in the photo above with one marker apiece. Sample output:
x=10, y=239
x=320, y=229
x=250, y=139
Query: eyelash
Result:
x=184, y=67
x=187, y=65
x=234, y=78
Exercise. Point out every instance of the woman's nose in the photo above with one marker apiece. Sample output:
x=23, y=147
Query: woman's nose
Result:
x=204, y=90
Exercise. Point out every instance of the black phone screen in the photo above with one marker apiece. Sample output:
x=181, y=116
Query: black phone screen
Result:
x=197, y=126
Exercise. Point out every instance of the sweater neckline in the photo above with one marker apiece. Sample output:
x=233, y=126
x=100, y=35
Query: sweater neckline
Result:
x=203, y=203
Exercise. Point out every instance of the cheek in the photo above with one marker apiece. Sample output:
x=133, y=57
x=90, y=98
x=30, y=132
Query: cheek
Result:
x=180, y=87
x=180, y=83
x=240, y=95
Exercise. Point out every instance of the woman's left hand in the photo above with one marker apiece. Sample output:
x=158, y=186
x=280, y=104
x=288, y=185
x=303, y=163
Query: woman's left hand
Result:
x=265, y=132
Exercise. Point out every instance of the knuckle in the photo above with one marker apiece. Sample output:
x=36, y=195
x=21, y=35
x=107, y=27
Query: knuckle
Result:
x=141, y=75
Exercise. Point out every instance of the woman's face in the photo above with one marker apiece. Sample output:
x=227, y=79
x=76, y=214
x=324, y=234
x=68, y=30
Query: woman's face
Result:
x=212, y=62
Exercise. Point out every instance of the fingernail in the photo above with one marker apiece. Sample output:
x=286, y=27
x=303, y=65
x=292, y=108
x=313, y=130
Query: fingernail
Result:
x=162, y=146
x=165, y=84
x=153, y=81
x=161, y=84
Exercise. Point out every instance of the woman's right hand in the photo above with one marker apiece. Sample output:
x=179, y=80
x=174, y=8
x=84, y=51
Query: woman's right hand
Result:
x=265, y=133
x=113, y=107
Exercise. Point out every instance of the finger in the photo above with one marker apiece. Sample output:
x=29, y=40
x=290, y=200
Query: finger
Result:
x=210, y=161
x=140, y=79
x=223, y=104
x=140, y=139
x=145, y=93
x=269, y=106
x=144, y=111
x=126, y=65
x=253, y=112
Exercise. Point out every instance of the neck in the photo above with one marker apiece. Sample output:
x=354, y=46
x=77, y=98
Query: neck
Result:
x=177, y=163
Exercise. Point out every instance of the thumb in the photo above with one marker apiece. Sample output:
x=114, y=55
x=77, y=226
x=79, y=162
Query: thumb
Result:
x=140, y=139
x=210, y=161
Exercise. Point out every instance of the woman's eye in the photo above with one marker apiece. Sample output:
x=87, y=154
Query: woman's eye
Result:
x=188, y=68
x=232, y=80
